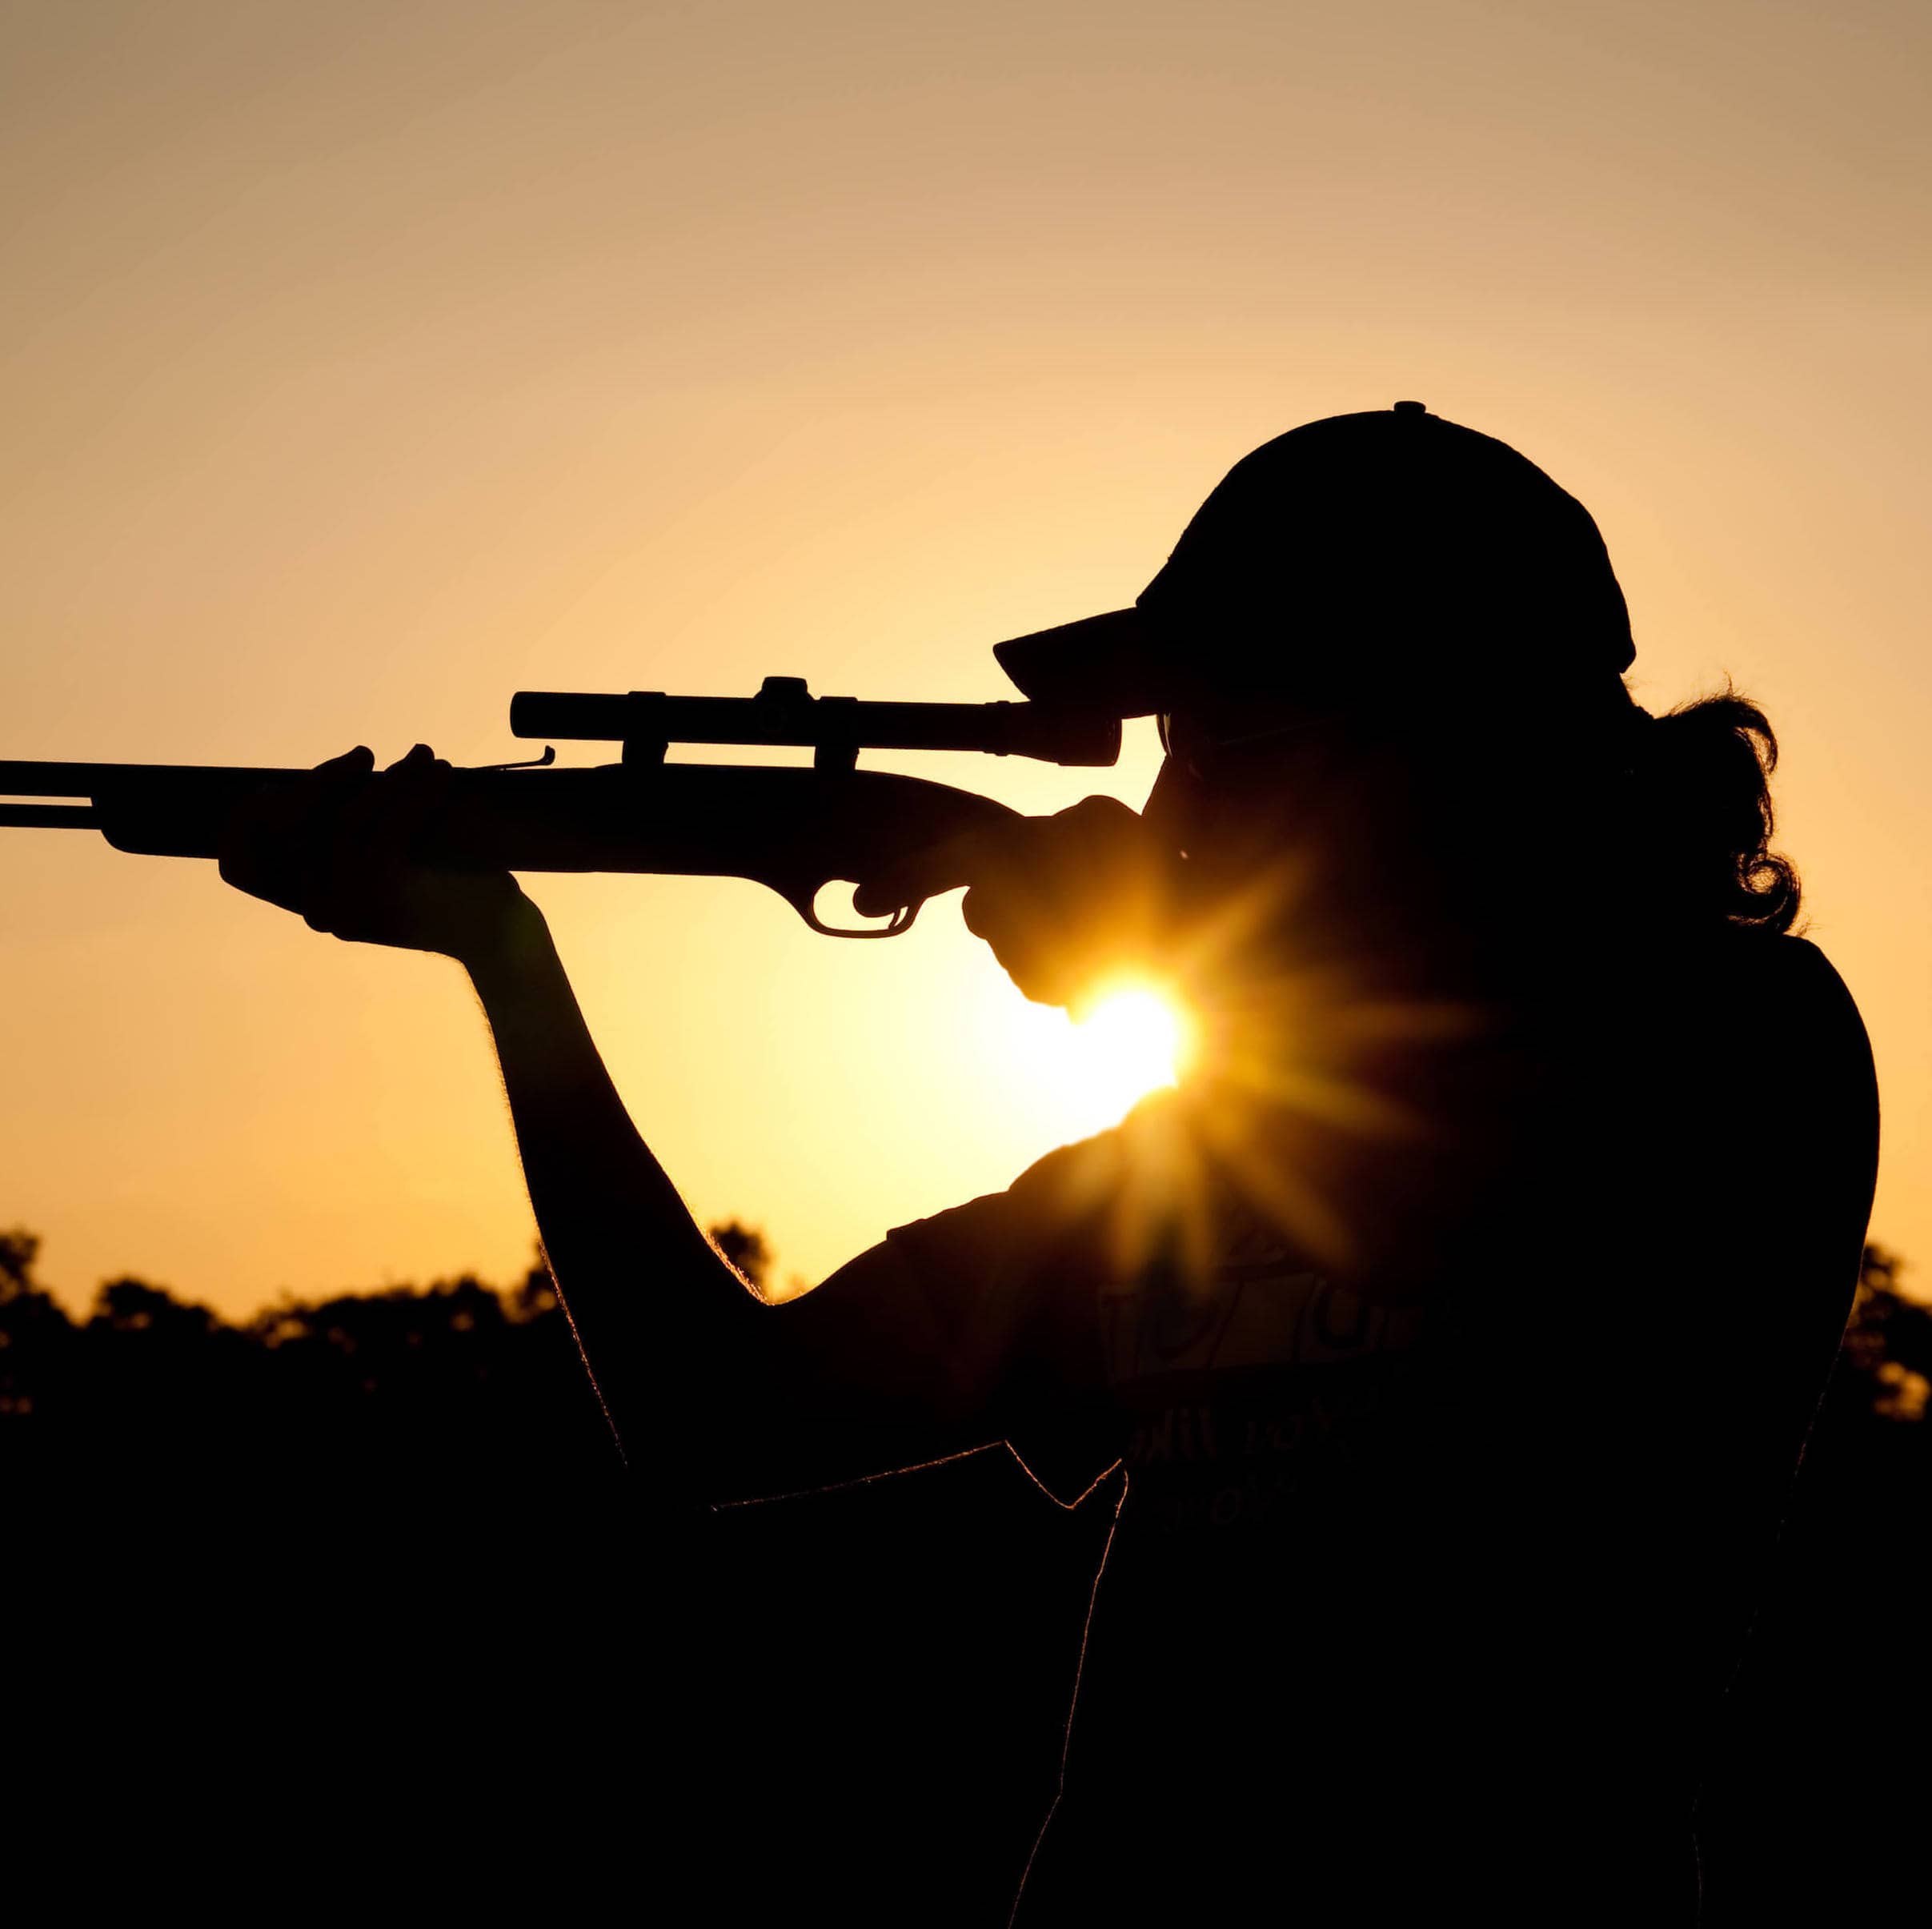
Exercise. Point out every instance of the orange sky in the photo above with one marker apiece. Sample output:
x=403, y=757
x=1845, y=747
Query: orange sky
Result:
x=365, y=362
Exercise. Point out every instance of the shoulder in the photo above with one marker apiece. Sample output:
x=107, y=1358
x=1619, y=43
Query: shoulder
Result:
x=1790, y=1008
x=1750, y=1060
x=1813, y=1023
x=1744, y=990
x=1793, y=970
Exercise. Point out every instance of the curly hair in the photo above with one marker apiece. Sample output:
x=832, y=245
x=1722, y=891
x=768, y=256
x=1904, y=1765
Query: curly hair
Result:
x=1702, y=777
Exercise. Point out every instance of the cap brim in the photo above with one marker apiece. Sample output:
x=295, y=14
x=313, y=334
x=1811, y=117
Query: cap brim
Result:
x=1106, y=663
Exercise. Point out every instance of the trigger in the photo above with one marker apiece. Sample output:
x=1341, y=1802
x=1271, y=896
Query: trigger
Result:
x=900, y=920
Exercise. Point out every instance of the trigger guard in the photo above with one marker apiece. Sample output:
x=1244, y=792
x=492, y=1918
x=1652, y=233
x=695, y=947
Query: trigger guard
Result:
x=900, y=920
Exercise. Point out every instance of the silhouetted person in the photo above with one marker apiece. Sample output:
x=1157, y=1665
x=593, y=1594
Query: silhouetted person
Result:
x=1458, y=1321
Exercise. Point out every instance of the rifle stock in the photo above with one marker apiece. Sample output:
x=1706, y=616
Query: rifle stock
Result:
x=794, y=831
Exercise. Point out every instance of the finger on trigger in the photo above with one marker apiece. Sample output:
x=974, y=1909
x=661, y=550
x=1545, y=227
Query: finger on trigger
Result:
x=918, y=875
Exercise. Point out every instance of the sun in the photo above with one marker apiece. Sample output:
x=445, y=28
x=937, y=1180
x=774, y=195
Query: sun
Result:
x=1071, y=1078
x=1131, y=1041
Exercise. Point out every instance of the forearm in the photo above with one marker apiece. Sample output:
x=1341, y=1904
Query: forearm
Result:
x=644, y=1288
x=665, y=1326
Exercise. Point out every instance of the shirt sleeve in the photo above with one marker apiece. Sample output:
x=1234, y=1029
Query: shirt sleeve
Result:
x=1008, y=1283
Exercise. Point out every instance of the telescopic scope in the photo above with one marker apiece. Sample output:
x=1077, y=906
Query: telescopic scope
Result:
x=646, y=722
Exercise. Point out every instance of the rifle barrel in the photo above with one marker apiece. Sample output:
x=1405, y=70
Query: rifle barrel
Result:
x=50, y=816
x=31, y=780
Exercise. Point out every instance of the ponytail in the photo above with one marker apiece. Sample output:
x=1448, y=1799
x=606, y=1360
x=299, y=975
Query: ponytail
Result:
x=1702, y=779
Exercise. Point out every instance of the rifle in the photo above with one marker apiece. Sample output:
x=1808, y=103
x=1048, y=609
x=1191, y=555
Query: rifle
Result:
x=793, y=830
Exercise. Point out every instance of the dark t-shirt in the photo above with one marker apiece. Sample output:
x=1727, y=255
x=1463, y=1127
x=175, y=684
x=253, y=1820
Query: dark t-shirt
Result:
x=1437, y=1543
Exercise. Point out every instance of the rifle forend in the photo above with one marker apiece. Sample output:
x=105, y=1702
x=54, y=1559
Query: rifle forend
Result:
x=837, y=729
x=795, y=832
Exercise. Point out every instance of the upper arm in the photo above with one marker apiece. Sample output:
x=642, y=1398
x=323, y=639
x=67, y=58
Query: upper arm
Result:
x=872, y=1371
x=973, y=1326
x=870, y=1342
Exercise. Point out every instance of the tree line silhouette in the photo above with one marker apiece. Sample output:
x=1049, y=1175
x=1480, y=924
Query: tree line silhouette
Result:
x=375, y=1556
x=457, y=1376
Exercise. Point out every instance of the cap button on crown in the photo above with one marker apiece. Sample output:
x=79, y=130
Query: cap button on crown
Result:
x=1410, y=408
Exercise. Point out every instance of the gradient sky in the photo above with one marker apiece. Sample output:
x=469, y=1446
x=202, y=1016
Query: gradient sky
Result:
x=365, y=363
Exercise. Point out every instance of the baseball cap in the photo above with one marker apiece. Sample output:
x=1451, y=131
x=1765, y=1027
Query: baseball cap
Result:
x=1349, y=557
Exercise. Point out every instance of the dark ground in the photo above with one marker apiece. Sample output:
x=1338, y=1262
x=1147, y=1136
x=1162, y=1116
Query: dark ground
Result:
x=355, y=1606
